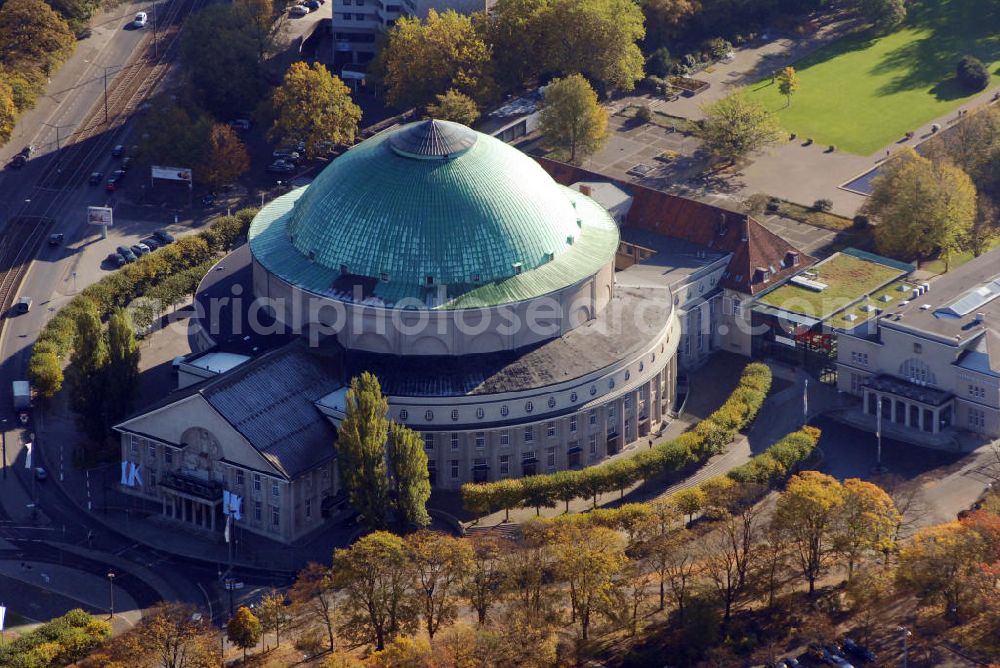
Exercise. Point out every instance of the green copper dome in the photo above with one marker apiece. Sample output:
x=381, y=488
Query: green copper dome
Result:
x=433, y=203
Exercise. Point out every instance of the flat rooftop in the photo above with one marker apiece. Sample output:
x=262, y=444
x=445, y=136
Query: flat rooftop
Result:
x=949, y=308
x=673, y=262
x=836, y=283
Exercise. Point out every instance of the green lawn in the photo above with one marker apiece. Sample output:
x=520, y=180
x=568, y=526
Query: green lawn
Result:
x=847, y=278
x=861, y=94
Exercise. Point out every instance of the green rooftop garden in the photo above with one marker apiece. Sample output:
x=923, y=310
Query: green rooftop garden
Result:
x=847, y=279
x=876, y=300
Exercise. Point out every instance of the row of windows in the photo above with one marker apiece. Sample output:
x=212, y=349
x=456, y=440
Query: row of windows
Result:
x=977, y=391
x=977, y=418
x=529, y=406
x=528, y=434
x=527, y=456
x=859, y=358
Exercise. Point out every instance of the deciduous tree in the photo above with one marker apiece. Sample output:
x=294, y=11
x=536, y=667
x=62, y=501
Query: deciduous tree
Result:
x=361, y=443
x=274, y=614
x=690, y=501
x=314, y=107
x=806, y=516
x=571, y=119
x=454, y=106
x=8, y=112
x=866, y=522
x=922, y=206
x=226, y=157
x=452, y=55
x=483, y=578
x=736, y=126
x=123, y=366
x=883, y=14
x=312, y=596
x=86, y=376
x=937, y=562
x=244, y=630
x=45, y=372
x=439, y=564
x=409, y=482
x=374, y=577
x=589, y=560
x=788, y=83
x=665, y=19
x=33, y=36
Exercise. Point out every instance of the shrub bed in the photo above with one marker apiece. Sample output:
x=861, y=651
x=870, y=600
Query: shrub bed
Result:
x=708, y=437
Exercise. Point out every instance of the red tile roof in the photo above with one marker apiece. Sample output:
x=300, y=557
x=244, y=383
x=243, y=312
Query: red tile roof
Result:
x=760, y=258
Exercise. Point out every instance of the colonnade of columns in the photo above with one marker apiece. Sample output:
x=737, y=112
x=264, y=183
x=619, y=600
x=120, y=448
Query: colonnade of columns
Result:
x=190, y=510
x=915, y=415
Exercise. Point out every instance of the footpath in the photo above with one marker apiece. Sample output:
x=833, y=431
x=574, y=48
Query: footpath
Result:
x=784, y=414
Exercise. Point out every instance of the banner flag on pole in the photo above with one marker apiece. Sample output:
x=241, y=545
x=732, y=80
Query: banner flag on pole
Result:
x=229, y=519
x=3, y=612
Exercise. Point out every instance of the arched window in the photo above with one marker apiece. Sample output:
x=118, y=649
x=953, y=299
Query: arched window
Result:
x=916, y=371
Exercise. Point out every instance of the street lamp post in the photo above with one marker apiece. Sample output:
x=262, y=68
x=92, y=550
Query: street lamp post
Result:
x=111, y=593
x=906, y=654
x=3, y=444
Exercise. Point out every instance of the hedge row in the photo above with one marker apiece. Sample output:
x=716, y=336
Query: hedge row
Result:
x=710, y=436
x=166, y=275
x=724, y=490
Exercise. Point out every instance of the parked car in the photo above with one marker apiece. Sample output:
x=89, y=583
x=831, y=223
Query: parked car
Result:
x=859, y=651
x=281, y=167
x=27, y=151
x=152, y=242
x=164, y=236
x=240, y=124
x=95, y=178
x=17, y=162
x=126, y=253
x=140, y=20
x=313, y=5
x=140, y=249
x=298, y=10
x=117, y=151
x=56, y=239
x=41, y=475
x=792, y=662
x=126, y=163
x=286, y=153
x=23, y=305
x=115, y=260
x=115, y=180
x=208, y=200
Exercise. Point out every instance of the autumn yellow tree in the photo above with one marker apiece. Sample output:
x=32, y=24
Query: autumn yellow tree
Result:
x=588, y=559
x=572, y=120
x=451, y=53
x=312, y=597
x=866, y=522
x=483, y=578
x=8, y=112
x=788, y=83
x=227, y=158
x=921, y=206
x=439, y=562
x=806, y=516
x=314, y=107
x=454, y=106
x=690, y=501
x=937, y=562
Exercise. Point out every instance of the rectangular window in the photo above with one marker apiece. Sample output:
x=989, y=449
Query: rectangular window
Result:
x=918, y=348
x=572, y=424
x=529, y=434
x=977, y=391
x=550, y=429
x=977, y=418
x=612, y=413
x=856, y=382
x=454, y=440
x=505, y=437
x=239, y=477
x=504, y=465
x=346, y=16
x=737, y=307
x=859, y=358
x=134, y=446
x=627, y=401
x=257, y=510
x=360, y=17
x=309, y=508
x=152, y=451
x=527, y=455
x=454, y=469
x=550, y=457
x=274, y=489
x=480, y=440
x=428, y=441
x=256, y=482
x=593, y=417
x=168, y=455
x=275, y=516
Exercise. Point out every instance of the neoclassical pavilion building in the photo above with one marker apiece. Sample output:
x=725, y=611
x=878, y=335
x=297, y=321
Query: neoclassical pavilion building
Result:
x=481, y=293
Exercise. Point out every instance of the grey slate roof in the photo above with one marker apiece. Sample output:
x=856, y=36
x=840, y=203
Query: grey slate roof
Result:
x=271, y=402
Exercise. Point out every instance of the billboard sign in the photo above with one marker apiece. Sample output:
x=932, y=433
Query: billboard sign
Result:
x=172, y=173
x=99, y=215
